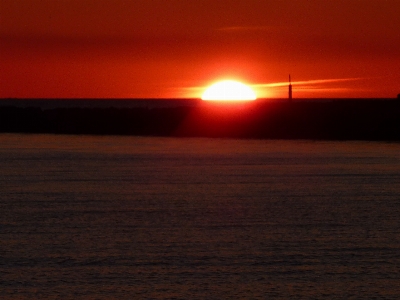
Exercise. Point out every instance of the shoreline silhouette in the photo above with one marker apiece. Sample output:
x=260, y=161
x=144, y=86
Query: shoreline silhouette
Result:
x=315, y=119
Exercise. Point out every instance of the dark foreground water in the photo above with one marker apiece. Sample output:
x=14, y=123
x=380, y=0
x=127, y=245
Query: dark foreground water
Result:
x=85, y=217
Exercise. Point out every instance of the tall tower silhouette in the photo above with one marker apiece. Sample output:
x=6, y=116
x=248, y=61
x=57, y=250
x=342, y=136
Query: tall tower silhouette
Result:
x=290, y=89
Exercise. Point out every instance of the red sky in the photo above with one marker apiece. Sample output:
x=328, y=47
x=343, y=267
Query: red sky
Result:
x=176, y=48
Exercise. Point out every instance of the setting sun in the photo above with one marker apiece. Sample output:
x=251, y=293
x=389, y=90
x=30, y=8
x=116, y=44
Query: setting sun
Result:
x=229, y=90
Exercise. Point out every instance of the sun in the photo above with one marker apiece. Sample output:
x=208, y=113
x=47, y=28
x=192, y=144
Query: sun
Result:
x=229, y=90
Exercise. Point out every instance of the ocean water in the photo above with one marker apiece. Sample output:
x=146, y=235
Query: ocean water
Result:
x=102, y=217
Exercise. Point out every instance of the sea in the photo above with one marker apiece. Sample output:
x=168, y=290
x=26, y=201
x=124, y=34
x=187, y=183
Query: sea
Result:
x=127, y=217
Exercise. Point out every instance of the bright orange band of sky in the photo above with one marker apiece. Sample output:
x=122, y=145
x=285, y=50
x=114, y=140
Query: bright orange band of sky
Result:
x=176, y=48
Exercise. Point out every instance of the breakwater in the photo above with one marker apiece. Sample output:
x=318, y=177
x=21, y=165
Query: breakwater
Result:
x=319, y=120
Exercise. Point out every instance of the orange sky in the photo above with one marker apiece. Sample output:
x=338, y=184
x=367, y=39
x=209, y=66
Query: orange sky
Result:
x=175, y=48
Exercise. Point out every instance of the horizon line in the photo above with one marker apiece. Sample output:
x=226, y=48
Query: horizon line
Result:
x=178, y=98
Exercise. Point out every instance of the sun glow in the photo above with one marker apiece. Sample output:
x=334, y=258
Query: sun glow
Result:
x=229, y=90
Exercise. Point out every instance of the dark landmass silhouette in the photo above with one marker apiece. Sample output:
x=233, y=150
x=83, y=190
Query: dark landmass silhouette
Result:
x=357, y=119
